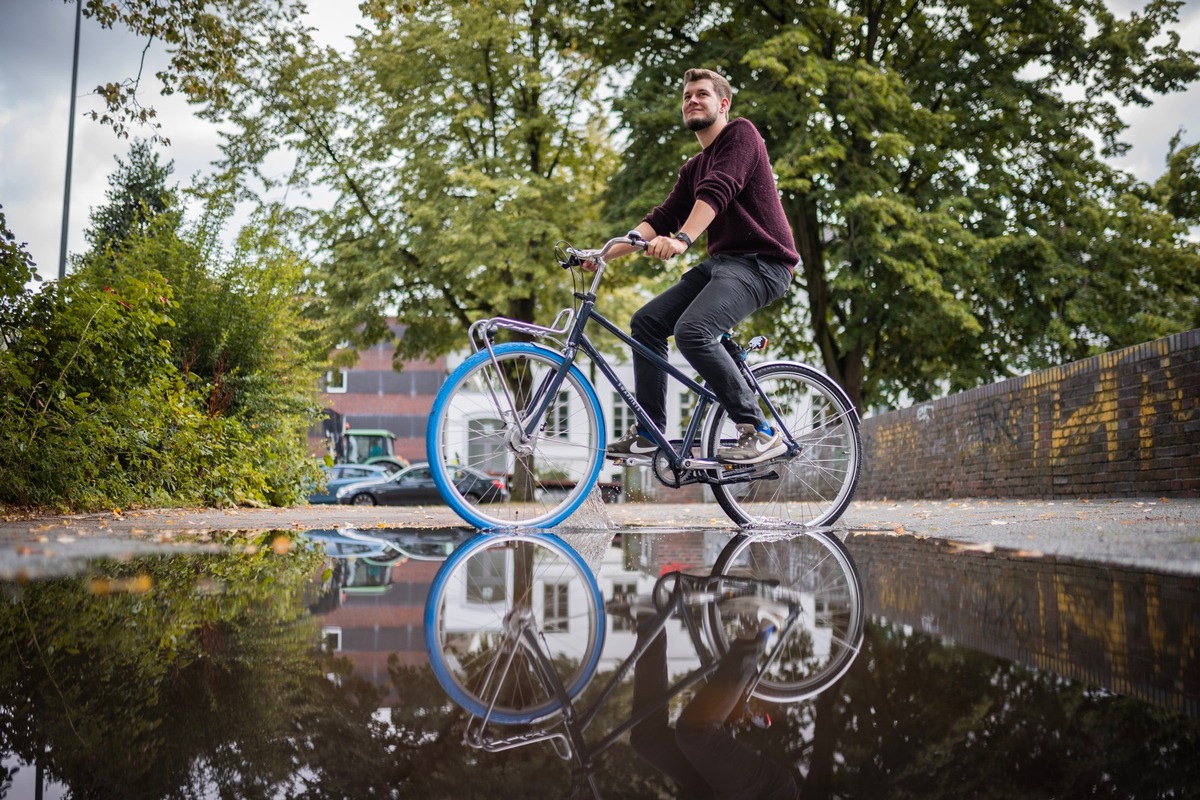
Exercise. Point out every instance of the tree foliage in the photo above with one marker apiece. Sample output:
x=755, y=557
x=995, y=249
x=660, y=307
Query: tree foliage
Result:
x=205, y=39
x=162, y=370
x=137, y=194
x=461, y=142
x=942, y=165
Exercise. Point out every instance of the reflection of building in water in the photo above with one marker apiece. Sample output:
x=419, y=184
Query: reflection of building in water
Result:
x=376, y=610
x=635, y=567
x=379, y=612
x=1120, y=628
x=619, y=579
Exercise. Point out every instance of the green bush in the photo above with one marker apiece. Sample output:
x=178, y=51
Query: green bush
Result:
x=160, y=372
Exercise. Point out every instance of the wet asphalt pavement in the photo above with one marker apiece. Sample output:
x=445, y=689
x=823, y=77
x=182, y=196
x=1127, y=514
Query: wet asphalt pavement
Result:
x=1161, y=534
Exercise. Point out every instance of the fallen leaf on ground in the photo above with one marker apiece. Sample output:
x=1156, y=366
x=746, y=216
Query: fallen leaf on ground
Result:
x=964, y=547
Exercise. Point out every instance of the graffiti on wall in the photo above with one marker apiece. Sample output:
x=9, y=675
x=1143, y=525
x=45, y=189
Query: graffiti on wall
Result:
x=1117, y=411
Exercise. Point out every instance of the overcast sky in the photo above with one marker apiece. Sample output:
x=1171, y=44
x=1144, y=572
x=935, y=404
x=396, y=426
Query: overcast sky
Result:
x=36, y=38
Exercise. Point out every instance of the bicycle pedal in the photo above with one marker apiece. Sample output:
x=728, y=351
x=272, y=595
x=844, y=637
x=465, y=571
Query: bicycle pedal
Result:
x=631, y=461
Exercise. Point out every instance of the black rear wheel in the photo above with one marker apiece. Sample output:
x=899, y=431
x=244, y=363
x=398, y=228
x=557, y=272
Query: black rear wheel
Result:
x=815, y=485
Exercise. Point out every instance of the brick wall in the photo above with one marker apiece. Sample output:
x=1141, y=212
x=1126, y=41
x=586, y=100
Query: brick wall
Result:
x=1124, y=423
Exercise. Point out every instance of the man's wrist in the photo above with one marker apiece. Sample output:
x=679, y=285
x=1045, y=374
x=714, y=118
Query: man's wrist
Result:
x=683, y=237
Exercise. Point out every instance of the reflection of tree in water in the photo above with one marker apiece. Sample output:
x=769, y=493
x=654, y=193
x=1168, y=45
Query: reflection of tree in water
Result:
x=188, y=674
x=185, y=691
x=916, y=718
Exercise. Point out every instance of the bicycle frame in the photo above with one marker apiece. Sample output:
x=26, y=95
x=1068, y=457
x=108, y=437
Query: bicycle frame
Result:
x=577, y=341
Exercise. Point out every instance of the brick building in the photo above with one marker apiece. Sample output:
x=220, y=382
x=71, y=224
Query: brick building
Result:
x=372, y=394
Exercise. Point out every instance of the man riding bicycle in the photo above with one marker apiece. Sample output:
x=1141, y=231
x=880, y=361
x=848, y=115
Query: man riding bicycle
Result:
x=728, y=189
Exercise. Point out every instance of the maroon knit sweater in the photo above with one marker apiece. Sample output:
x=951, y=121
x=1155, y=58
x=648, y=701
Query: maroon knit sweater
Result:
x=733, y=175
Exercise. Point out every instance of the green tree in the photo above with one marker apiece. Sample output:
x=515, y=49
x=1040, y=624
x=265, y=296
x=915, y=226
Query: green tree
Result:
x=955, y=219
x=461, y=141
x=137, y=193
x=17, y=269
x=162, y=370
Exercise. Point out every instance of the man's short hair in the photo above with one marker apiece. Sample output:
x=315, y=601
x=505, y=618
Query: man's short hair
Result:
x=720, y=85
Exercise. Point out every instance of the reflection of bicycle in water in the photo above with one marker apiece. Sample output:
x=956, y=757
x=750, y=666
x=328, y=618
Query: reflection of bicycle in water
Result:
x=515, y=626
x=526, y=411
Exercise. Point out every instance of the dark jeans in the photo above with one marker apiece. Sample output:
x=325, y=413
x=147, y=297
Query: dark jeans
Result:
x=708, y=300
x=700, y=755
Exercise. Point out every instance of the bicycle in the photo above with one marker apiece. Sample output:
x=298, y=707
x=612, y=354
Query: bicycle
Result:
x=526, y=411
x=511, y=649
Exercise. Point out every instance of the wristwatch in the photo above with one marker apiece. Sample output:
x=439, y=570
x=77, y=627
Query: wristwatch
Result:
x=683, y=237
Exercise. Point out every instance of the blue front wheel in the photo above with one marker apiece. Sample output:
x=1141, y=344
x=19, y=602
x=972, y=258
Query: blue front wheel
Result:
x=493, y=464
x=485, y=601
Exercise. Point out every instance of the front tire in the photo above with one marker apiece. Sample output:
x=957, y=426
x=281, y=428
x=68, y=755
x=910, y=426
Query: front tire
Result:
x=814, y=486
x=363, y=499
x=473, y=424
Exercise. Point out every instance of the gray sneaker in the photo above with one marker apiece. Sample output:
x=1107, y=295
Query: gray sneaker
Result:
x=753, y=446
x=760, y=613
x=631, y=444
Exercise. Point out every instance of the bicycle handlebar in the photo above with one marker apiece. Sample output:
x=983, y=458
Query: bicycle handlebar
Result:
x=575, y=258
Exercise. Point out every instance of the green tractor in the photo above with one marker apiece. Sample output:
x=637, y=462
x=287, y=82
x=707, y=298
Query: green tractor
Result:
x=368, y=446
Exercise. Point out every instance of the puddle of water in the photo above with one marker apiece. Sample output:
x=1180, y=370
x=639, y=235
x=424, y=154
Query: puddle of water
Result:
x=270, y=672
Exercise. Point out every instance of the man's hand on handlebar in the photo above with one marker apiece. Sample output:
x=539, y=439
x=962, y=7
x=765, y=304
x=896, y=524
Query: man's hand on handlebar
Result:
x=589, y=260
x=665, y=247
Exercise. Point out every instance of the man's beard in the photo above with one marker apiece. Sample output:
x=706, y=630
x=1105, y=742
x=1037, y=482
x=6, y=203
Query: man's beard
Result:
x=695, y=124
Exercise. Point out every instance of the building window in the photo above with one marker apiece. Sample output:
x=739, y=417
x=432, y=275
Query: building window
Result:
x=687, y=404
x=336, y=381
x=558, y=418
x=486, y=577
x=622, y=415
x=556, y=617
x=486, y=448
x=333, y=639
x=627, y=591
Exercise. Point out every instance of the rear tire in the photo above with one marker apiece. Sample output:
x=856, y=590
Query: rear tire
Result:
x=815, y=485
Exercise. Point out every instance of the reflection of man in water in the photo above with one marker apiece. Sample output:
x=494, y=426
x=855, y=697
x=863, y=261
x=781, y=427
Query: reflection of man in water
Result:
x=701, y=756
